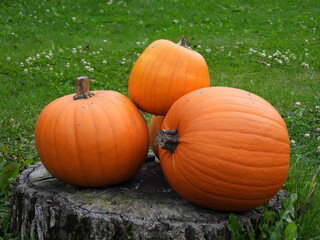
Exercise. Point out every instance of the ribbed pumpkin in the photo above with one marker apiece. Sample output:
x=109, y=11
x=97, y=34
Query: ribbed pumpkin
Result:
x=92, y=138
x=164, y=72
x=154, y=127
x=224, y=148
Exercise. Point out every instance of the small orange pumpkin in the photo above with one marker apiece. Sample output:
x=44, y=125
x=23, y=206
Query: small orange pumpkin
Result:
x=224, y=148
x=164, y=72
x=93, y=138
x=154, y=127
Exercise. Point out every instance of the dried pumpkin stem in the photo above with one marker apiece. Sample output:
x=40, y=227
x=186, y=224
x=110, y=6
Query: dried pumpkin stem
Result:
x=183, y=42
x=82, y=88
x=168, y=139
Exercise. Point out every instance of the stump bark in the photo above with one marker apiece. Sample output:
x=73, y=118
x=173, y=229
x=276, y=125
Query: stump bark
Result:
x=143, y=208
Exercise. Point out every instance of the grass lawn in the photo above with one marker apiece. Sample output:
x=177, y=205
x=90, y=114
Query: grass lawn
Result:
x=270, y=48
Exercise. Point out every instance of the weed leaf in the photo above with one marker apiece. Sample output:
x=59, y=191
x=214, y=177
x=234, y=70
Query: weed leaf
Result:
x=291, y=231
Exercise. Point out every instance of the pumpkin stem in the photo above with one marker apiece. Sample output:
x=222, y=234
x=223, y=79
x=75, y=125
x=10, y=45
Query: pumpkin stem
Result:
x=168, y=139
x=82, y=88
x=183, y=42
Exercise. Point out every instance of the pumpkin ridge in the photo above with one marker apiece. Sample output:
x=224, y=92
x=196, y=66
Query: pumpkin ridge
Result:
x=148, y=62
x=266, y=116
x=108, y=118
x=190, y=183
x=244, y=133
x=77, y=148
x=187, y=73
x=62, y=107
x=98, y=143
x=130, y=135
x=157, y=77
x=191, y=163
x=226, y=182
x=239, y=164
x=172, y=79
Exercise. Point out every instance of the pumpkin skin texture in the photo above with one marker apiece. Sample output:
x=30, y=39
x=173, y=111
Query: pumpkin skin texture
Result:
x=233, y=149
x=164, y=72
x=98, y=141
x=154, y=127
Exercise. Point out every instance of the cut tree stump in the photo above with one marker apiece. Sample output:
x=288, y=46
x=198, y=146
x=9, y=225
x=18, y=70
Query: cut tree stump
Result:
x=143, y=208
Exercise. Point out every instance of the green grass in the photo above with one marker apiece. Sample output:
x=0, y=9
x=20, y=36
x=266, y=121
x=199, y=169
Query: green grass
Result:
x=270, y=48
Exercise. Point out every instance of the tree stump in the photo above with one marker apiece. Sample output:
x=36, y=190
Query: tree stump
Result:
x=143, y=208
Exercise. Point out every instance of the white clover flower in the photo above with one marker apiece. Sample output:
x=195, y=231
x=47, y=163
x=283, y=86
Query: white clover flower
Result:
x=305, y=65
x=74, y=50
x=26, y=70
x=297, y=104
x=90, y=69
x=60, y=50
x=268, y=65
x=21, y=64
x=48, y=57
x=67, y=65
x=51, y=68
x=307, y=54
x=8, y=58
x=38, y=55
x=306, y=41
x=104, y=62
x=208, y=50
x=270, y=57
x=293, y=141
x=87, y=68
x=263, y=54
x=105, y=40
x=74, y=18
x=79, y=47
x=280, y=61
x=318, y=149
x=306, y=135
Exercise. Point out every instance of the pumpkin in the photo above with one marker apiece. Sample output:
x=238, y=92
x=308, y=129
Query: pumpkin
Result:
x=164, y=72
x=92, y=138
x=224, y=148
x=154, y=127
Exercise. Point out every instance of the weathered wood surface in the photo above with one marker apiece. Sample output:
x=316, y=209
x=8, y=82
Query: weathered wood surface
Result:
x=143, y=208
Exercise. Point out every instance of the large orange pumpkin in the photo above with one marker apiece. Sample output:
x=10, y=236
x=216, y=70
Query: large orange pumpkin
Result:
x=164, y=72
x=224, y=148
x=93, y=138
x=154, y=127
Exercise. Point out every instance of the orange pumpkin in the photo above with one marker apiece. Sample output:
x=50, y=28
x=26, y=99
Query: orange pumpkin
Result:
x=164, y=72
x=154, y=127
x=224, y=148
x=93, y=138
